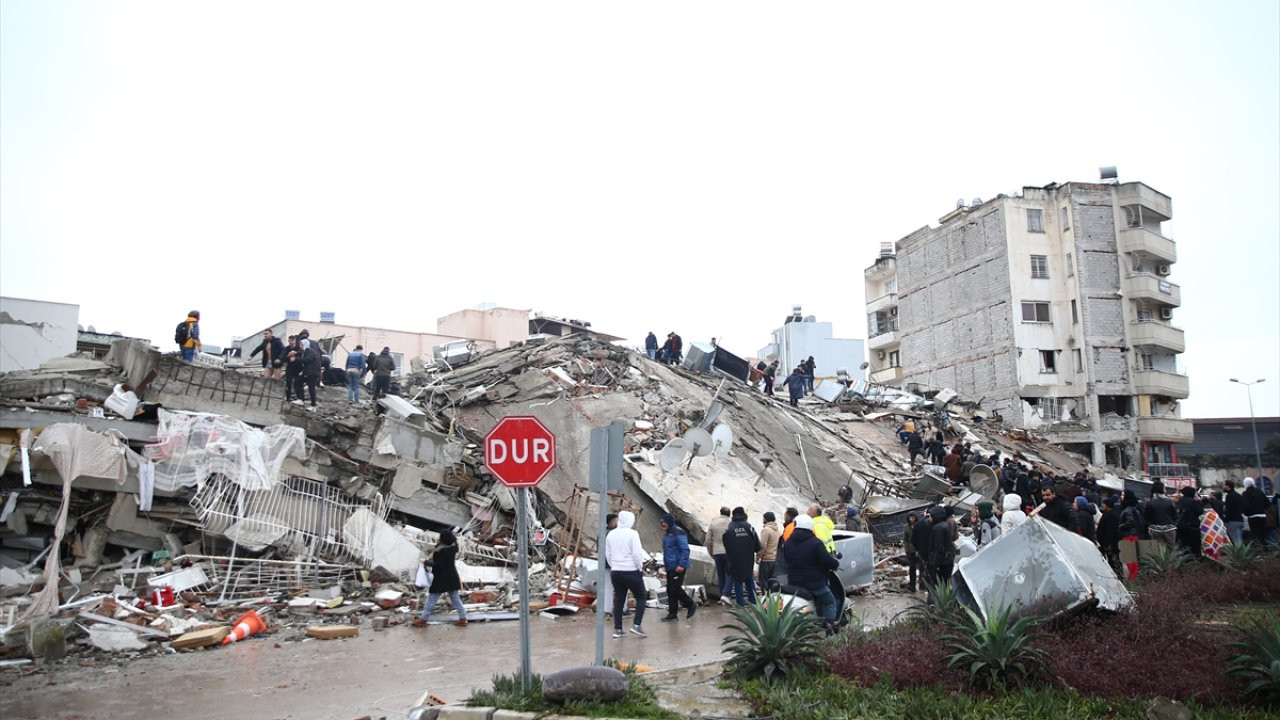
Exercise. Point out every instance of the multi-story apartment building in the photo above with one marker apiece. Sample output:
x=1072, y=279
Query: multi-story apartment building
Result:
x=1052, y=308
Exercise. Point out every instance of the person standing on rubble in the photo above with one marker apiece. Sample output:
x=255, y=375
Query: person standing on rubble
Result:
x=915, y=565
x=770, y=373
x=310, y=371
x=915, y=445
x=767, y=558
x=741, y=545
x=444, y=579
x=272, y=354
x=715, y=548
x=626, y=558
x=190, y=345
x=922, y=543
x=809, y=366
x=292, y=368
x=675, y=558
x=651, y=345
x=942, y=546
x=383, y=365
x=355, y=373
x=795, y=383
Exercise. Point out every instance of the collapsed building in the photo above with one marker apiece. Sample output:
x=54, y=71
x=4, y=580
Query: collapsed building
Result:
x=144, y=478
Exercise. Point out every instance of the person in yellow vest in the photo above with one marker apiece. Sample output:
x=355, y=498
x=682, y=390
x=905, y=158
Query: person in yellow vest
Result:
x=823, y=527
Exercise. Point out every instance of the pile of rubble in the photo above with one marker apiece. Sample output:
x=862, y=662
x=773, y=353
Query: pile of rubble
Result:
x=150, y=496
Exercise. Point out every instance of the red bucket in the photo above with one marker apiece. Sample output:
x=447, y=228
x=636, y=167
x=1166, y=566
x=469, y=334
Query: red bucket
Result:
x=162, y=597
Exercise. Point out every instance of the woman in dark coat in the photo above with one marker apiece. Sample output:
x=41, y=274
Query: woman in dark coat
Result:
x=444, y=579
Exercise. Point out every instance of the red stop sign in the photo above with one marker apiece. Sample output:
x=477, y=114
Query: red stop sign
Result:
x=519, y=451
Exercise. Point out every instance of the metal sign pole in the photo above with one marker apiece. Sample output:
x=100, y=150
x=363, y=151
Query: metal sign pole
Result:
x=522, y=549
x=596, y=481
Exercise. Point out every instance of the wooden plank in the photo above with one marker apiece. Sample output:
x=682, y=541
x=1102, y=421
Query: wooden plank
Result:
x=202, y=638
x=329, y=632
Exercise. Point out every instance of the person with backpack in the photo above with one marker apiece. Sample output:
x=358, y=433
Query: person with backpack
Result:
x=382, y=365
x=187, y=336
x=988, y=527
x=311, y=368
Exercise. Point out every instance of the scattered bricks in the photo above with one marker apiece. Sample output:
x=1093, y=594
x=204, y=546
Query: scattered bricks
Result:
x=331, y=632
x=201, y=638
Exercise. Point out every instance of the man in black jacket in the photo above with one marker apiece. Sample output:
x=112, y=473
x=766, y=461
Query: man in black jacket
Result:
x=1056, y=509
x=292, y=369
x=741, y=545
x=942, y=546
x=1188, y=521
x=921, y=540
x=1255, y=511
x=808, y=563
x=1109, y=533
x=272, y=350
x=1233, y=512
x=1161, y=517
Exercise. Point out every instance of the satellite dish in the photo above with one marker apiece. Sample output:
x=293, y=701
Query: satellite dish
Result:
x=983, y=480
x=960, y=203
x=977, y=202
x=722, y=440
x=700, y=441
x=673, y=454
x=864, y=366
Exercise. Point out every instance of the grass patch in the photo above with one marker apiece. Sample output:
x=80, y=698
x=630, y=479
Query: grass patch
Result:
x=827, y=697
x=640, y=701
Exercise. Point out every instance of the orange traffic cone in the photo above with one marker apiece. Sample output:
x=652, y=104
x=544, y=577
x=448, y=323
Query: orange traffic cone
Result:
x=250, y=623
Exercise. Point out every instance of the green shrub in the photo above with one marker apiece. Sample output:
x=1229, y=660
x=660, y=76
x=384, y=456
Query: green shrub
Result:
x=771, y=639
x=507, y=694
x=942, y=606
x=1240, y=556
x=997, y=651
x=1258, y=662
x=1164, y=561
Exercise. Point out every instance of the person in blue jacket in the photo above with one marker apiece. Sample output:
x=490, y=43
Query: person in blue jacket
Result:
x=807, y=565
x=675, y=556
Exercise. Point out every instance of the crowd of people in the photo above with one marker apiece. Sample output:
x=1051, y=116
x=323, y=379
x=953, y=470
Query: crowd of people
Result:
x=302, y=365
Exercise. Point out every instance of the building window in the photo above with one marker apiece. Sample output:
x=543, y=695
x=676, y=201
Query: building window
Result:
x=1066, y=219
x=1079, y=358
x=1035, y=220
x=1146, y=361
x=895, y=359
x=1075, y=313
x=1035, y=312
x=1071, y=266
x=1048, y=361
x=1039, y=267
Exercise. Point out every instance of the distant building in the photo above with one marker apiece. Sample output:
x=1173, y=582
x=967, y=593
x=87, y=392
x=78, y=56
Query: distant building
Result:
x=801, y=336
x=1223, y=448
x=1053, y=308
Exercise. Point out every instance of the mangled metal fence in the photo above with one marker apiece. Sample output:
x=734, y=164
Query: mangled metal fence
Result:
x=302, y=518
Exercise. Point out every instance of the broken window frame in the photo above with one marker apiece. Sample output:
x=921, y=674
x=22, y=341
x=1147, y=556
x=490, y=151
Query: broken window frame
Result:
x=1049, y=362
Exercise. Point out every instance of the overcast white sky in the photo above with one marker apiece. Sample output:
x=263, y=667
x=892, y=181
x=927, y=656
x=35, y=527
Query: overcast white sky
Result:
x=698, y=167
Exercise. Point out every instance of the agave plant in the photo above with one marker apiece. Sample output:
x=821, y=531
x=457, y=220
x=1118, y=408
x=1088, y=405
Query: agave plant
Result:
x=1239, y=556
x=997, y=651
x=770, y=639
x=1258, y=662
x=942, y=606
x=1164, y=561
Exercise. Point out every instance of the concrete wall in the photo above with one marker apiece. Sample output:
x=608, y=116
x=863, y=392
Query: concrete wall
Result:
x=504, y=327
x=34, y=331
x=795, y=341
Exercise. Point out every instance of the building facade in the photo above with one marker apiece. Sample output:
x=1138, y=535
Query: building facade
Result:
x=1053, y=308
x=801, y=336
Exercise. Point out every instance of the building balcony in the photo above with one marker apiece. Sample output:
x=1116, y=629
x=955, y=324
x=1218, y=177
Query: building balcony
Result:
x=1139, y=194
x=1159, y=382
x=1147, y=241
x=1145, y=286
x=1158, y=334
x=883, y=341
x=886, y=376
x=884, y=302
x=884, y=266
x=1165, y=429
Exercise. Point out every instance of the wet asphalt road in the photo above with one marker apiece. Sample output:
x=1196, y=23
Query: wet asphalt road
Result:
x=379, y=674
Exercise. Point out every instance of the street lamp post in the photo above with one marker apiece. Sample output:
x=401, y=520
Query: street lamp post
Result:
x=1253, y=423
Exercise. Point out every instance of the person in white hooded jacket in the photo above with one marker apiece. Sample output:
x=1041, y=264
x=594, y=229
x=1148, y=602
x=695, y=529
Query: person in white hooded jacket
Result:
x=1013, y=515
x=626, y=558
